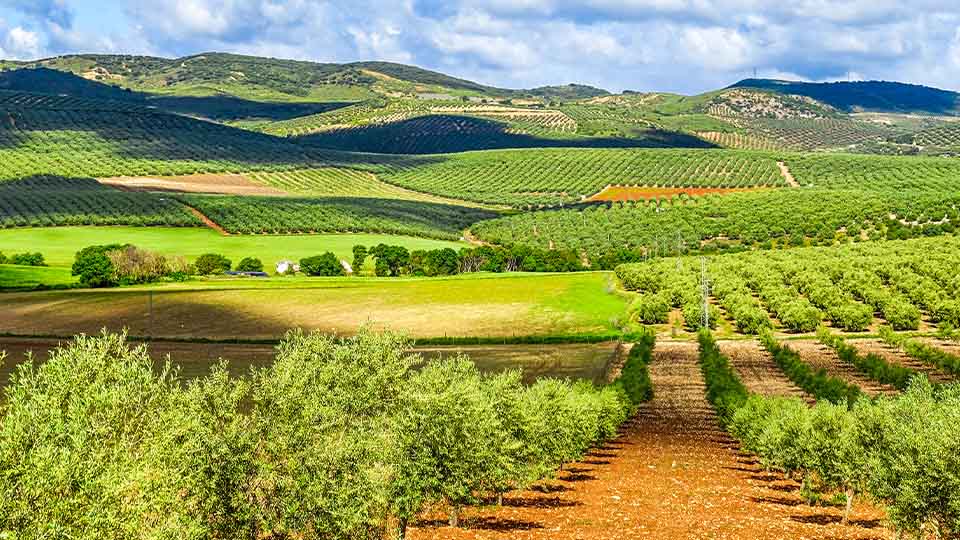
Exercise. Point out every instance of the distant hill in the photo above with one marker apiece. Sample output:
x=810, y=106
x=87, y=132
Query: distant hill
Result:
x=54, y=82
x=876, y=96
x=568, y=92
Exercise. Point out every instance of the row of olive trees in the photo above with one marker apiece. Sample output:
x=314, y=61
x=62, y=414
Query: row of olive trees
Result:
x=903, y=451
x=338, y=438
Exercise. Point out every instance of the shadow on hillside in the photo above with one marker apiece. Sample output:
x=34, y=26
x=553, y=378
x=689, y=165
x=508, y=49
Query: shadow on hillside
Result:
x=446, y=133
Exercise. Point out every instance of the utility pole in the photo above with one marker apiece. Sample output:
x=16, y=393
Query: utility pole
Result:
x=150, y=314
x=705, y=291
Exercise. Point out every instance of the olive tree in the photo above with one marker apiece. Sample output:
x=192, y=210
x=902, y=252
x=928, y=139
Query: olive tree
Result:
x=322, y=415
x=443, y=435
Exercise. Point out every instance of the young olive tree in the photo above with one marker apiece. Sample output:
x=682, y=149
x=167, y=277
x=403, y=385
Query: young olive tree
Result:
x=443, y=435
x=322, y=416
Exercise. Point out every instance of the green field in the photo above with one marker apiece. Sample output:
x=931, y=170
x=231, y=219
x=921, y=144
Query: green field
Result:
x=26, y=277
x=484, y=305
x=59, y=244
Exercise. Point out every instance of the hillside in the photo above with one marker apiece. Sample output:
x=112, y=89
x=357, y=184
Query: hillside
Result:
x=878, y=96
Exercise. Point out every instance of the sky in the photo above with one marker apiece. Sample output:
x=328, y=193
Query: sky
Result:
x=686, y=46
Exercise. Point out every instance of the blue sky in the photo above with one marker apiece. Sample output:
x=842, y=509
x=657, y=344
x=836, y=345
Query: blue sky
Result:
x=684, y=46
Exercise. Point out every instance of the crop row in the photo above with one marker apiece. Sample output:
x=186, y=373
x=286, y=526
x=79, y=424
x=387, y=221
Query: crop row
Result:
x=520, y=177
x=846, y=286
x=258, y=215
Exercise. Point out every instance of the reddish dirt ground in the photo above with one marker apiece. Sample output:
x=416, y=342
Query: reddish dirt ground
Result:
x=672, y=474
x=894, y=356
x=758, y=371
x=642, y=193
x=229, y=184
x=819, y=356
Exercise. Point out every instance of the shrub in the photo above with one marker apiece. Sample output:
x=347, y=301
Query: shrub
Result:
x=651, y=308
x=359, y=258
x=901, y=314
x=134, y=265
x=27, y=259
x=322, y=265
x=210, y=264
x=250, y=264
x=94, y=267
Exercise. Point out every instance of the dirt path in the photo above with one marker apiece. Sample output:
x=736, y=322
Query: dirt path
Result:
x=819, y=356
x=895, y=356
x=673, y=474
x=758, y=371
x=206, y=220
x=473, y=240
x=787, y=175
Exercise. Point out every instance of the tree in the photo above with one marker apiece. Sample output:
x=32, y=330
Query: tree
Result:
x=212, y=264
x=250, y=264
x=322, y=414
x=322, y=265
x=442, y=262
x=28, y=259
x=93, y=266
x=134, y=265
x=443, y=433
x=359, y=258
x=391, y=260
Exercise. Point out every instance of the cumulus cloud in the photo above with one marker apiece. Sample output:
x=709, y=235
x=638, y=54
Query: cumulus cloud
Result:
x=672, y=45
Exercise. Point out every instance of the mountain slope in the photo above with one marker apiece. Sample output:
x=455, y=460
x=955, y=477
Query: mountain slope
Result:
x=880, y=96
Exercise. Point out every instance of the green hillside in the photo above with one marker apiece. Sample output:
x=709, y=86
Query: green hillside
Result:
x=867, y=95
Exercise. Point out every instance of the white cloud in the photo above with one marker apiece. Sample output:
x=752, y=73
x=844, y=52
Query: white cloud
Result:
x=670, y=45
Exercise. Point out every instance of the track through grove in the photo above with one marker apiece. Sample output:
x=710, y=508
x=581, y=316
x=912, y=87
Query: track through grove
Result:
x=674, y=473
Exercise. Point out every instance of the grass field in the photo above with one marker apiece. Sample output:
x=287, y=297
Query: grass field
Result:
x=24, y=277
x=498, y=305
x=59, y=244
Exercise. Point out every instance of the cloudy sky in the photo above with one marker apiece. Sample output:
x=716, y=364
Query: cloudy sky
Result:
x=668, y=45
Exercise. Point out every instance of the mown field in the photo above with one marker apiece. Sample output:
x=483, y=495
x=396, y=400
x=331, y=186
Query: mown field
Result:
x=501, y=306
x=60, y=244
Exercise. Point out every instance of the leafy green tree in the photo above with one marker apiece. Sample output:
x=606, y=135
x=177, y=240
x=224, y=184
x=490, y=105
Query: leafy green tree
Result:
x=28, y=259
x=93, y=266
x=443, y=432
x=359, y=258
x=210, y=264
x=322, y=414
x=250, y=264
x=442, y=262
x=391, y=260
x=322, y=265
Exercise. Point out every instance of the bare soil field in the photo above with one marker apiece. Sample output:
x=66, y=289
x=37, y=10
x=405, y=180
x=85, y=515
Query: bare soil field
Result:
x=227, y=184
x=819, y=356
x=643, y=193
x=758, y=371
x=590, y=361
x=895, y=356
x=672, y=474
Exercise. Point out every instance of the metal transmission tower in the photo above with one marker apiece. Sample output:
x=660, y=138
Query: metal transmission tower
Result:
x=705, y=291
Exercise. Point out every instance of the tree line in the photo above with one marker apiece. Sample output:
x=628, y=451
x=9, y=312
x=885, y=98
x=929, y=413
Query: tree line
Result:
x=340, y=438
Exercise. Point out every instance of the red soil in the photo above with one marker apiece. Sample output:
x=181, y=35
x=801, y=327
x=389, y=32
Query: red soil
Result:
x=673, y=473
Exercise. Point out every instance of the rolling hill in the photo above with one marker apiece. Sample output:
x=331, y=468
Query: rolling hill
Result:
x=877, y=96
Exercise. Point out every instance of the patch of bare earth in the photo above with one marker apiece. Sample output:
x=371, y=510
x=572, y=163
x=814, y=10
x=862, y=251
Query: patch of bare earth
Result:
x=205, y=219
x=950, y=347
x=672, y=474
x=759, y=373
x=819, y=356
x=787, y=175
x=227, y=184
x=896, y=356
